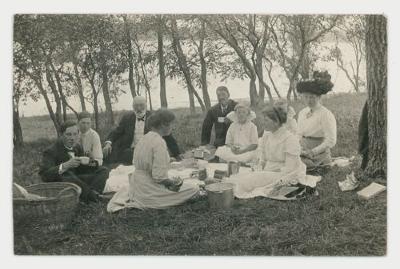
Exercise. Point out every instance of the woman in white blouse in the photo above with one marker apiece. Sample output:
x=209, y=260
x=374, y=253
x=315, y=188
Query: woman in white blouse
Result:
x=241, y=138
x=89, y=139
x=279, y=168
x=316, y=124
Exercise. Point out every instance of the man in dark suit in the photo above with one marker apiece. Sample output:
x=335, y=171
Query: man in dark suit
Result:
x=121, y=141
x=216, y=116
x=63, y=162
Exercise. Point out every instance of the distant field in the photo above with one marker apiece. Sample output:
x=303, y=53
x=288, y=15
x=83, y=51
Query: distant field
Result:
x=335, y=223
x=346, y=107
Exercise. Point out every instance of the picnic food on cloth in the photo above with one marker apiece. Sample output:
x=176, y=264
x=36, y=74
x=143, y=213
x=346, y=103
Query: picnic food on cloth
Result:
x=145, y=189
x=48, y=206
x=119, y=177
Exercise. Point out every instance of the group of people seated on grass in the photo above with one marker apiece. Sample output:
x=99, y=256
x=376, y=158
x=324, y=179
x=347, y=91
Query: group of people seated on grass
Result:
x=281, y=156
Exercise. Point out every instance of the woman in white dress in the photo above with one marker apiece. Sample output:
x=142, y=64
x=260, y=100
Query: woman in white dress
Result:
x=89, y=138
x=241, y=138
x=279, y=164
x=316, y=124
x=149, y=185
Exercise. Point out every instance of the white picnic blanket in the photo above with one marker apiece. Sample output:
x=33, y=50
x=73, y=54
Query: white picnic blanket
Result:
x=119, y=177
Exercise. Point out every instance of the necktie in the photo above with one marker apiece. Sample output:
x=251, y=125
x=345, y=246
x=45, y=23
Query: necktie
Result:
x=71, y=152
x=141, y=119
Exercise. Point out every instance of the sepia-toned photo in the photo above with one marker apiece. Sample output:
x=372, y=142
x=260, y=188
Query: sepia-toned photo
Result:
x=211, y=135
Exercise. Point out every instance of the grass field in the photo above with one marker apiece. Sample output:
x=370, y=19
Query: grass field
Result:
x=335, y=223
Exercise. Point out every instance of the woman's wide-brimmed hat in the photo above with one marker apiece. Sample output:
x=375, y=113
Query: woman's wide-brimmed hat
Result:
x=319, y=85
x=233, y=116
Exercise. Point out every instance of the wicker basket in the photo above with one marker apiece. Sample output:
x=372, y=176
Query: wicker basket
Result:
x=52, y=213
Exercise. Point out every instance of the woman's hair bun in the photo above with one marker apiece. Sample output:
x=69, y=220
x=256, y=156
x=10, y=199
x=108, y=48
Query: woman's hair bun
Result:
x=276, y=112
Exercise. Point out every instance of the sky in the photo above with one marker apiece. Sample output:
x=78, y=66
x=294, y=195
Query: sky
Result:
x=177, y=95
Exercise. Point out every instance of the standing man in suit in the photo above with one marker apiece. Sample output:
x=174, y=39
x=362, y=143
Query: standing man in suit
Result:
x=216, y=116
x=62, y=163
x=122, y=141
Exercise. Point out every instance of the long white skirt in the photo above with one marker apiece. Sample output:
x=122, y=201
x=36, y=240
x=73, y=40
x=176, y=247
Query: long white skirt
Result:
x=226, y=154
x=144, y=192
x=253, y=184
x=265, y=184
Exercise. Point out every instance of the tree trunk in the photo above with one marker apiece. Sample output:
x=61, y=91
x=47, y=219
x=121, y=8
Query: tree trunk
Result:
x=107, y=99
x=253, y=92
x=131, y=80
x=263, y=87
x=376, y=59
x=57, y=100
x=161, y=63
x=269, y=72
x=95, y=105
x=191, y=102
x=138, y=79
x=185, y=69
x=80, y=87
x=146, y=81
x=17, y=137
x=59, y=89
x=105, y=89
x=148, y=93
x=306, y=64
x=292, y=90
x=203, y=64
x=62, y=95
x=53, y=116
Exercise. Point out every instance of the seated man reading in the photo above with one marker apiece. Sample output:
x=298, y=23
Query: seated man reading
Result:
x=64, y=161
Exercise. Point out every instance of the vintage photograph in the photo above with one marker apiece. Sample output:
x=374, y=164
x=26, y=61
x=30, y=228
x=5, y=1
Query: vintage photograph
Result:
x=210, y=135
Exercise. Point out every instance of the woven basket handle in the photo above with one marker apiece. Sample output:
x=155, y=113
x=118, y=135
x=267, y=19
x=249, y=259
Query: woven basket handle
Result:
x=63, y=191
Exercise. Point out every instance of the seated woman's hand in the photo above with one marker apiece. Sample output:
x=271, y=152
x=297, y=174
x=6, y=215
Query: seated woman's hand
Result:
x=236, y=150
x=176, y=183
x=307, y=153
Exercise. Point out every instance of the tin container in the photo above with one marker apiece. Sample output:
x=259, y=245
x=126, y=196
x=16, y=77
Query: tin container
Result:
x=233, y=168
x=198, y=154
x=220, y=174
x=220, y=195
x=203, y=174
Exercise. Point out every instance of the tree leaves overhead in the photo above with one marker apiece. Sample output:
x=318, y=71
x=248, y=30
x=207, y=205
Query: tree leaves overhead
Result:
x=67, y=56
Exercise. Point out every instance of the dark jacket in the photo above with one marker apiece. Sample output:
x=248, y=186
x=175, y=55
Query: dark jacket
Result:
x=211, y=120
x=122, y=136
x=53, y=157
